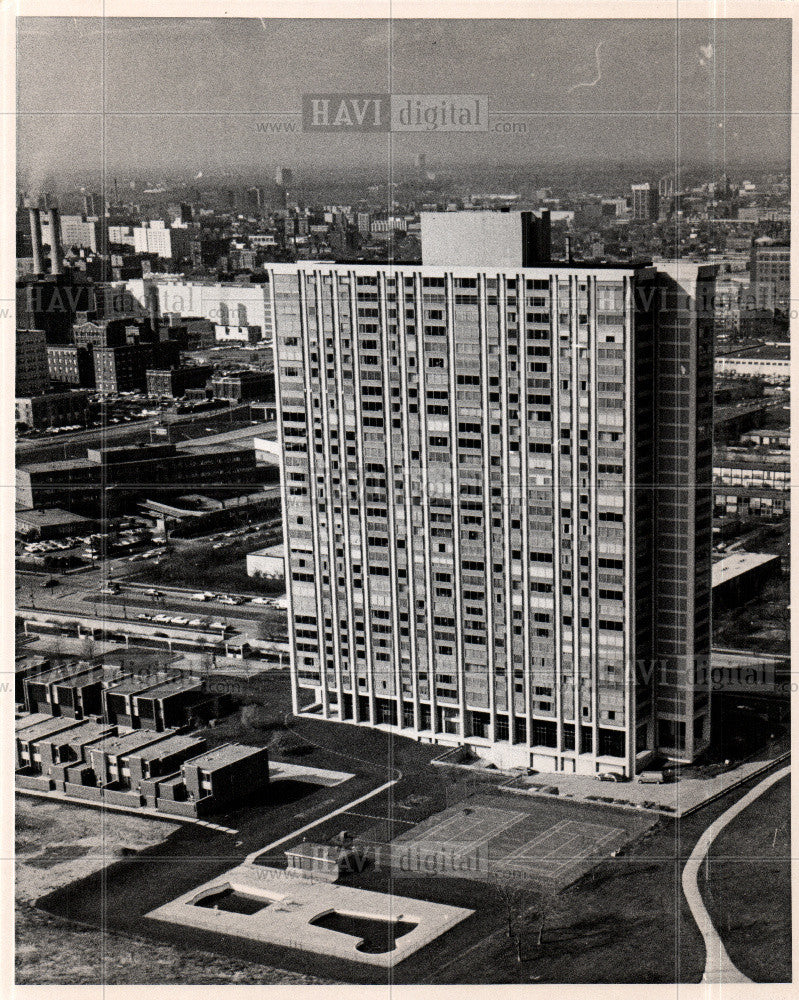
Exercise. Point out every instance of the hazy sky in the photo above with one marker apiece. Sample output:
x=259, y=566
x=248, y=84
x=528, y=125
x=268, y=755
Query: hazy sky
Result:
x=166, y=94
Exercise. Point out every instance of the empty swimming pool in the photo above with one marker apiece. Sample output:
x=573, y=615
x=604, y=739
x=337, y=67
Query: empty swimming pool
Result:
x=379, y=935
x=234, y=901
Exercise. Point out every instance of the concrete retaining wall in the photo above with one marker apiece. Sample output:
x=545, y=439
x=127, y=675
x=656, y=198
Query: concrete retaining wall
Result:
x=200, y=807
x=116, y=797
x=82, y=791
x=37, y=783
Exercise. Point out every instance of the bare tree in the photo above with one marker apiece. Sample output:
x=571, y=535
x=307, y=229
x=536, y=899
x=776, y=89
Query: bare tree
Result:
x=521, y=899
x=546, y=905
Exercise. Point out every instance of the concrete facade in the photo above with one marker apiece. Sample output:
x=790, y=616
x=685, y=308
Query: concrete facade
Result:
x=466, y=563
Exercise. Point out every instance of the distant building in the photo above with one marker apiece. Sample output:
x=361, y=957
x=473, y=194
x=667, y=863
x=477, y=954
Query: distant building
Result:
x=124, y=368
x=193, y=333
x=121, y=235
x=51, y=523
x=237, y=334
x=173, y=383
x=269, y=562
x=110, y=479
x=156, y=238
x=71, y=365
x=53, y=409
x=111, y=332
x=390, y=224
x=615, y=207
x=740, y=575
x=773, y=364
x=76, y=231
x=244, y=385
x=760, y=213
x=645, y=202
x=751, y=484
x=51, y=303
x=769, y=437
x=742, y=466
x=33, y=373
x=770, y=275
x=666, y=187
x=225, y=303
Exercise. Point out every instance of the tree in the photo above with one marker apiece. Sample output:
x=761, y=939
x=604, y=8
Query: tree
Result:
x=520, y=898
x=547, y=901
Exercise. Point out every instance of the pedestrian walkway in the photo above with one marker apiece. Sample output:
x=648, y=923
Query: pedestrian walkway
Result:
x=252, y=858
x=719, y=967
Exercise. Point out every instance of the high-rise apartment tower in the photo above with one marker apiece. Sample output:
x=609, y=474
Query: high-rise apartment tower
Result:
x=497, y=493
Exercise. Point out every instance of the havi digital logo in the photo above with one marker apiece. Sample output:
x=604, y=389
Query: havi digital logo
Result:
x=395, y=113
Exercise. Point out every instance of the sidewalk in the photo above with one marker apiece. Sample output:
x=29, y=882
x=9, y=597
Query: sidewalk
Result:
x=719, y=967
x=677, y=799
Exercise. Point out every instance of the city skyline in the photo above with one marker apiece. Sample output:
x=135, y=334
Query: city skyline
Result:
x=156, y=95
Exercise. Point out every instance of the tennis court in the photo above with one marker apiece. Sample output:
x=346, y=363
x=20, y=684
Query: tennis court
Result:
x=563, y=849
x=475, y=840
x=467, y=829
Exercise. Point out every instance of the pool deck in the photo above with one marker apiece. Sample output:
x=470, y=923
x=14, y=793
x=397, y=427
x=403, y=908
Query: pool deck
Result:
x=294, y=901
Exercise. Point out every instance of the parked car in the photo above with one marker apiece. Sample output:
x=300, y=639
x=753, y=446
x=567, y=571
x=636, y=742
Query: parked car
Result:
x=198, y=597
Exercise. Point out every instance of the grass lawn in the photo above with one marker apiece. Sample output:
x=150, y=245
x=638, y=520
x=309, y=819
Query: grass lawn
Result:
x=57, y=844
x=624, y=921
x=50, y=950
x=748, y=891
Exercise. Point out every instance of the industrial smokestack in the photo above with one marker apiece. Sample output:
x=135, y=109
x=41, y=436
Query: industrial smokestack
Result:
x=36, y=240
x=56, y=252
